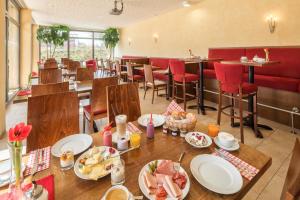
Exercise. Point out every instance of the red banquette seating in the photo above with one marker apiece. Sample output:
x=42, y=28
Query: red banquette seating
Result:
x=283, y=76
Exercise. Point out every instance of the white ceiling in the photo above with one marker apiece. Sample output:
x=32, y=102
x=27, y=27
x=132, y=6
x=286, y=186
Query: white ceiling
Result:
x=94, y=14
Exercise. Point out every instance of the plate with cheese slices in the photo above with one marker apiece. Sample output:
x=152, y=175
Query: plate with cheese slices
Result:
x=96, y=162
x=164, y=179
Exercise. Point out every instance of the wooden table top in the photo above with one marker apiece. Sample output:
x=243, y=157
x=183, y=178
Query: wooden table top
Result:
x=81, y=87
x=251, y=63
x=69, y=186
x=200, y=60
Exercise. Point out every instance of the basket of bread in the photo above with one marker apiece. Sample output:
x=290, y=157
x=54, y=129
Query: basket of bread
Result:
x=181, y=120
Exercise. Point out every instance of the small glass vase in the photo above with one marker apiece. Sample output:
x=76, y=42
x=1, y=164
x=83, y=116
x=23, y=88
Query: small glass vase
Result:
x=15, y=191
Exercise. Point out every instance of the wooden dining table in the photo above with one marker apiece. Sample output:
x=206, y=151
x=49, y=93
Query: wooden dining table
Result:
x=69, y=186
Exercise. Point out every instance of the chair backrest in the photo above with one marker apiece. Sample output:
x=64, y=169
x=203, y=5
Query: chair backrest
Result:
x=118, y=68
x=52, y=117
x=65, y=61
x=84, y=74
x=148, y=74
x=129, y=69
x=98, y=96
x=177, y=67
x=52, y=88
x=50, y=65
x=229, y=76
x=291, y=187
x=50, y=76
x=123, y=99
x=73, y=65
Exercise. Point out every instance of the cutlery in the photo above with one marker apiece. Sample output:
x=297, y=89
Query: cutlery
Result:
x=177, y=164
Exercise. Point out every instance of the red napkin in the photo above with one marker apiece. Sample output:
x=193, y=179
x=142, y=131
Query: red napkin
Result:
x=24, y=92
x=48, y=183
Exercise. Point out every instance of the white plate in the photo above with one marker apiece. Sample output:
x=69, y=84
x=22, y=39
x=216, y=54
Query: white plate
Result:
x=85, y=176
x=216, y=174
x=115, y=136
x=4, y=167
x=236, y=145
x=77, y=142
x=208, y=139
x=158, y=120
x=142, y=186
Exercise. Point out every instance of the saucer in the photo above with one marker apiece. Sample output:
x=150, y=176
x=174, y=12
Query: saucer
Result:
x=236, y=145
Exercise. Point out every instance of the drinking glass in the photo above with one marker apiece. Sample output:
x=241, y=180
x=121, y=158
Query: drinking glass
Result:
x=213, y=130
x=135, y=140
x=121, y=125
x=118, y=172
x=67, y=160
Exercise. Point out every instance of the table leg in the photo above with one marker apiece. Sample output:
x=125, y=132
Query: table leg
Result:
x=169, y=85
x=201, y=92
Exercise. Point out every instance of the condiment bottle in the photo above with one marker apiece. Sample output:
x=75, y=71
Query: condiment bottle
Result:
x=107, y=136
x=150, y=128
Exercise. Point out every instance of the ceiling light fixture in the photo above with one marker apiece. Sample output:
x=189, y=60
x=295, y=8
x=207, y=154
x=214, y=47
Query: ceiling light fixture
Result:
x=186, y=4
x=116, y=10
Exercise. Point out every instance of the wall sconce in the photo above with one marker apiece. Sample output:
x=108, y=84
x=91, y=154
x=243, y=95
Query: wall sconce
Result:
x=155, y=37
x=129, y=41
x=272, y=21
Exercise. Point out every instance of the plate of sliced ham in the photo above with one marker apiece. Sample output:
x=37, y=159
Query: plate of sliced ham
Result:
x=160, y=179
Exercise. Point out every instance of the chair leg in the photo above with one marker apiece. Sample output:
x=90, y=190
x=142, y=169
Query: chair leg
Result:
x=220, y=107
x=91, y=125
x=241, y=118
x=255, y=112
x=173, y=90
x=146, y=88
x=83, y=122
x=232, y=111
x=184, y=97
x=153, y=92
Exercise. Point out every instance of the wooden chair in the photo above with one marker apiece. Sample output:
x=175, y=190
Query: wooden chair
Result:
x=291, y=187
x=122, y=75
x=50, y=76
x=52, y=88
x=50, y=63
x=73, y=65
x=156, y=85
x=131, y=76
x=52, y=117
x=98, y=107
x=230, y=78
x=123, y=99
x=84, y=74
x=65, y=61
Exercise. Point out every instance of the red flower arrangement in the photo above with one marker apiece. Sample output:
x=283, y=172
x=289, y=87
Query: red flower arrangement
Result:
x=19, y=132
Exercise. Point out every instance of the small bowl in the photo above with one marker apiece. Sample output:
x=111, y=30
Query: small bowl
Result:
x=120, y=187
x=226, y=139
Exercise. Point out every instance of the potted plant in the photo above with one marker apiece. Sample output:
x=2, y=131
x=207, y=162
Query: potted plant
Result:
x=111, y=39
x=54, y=35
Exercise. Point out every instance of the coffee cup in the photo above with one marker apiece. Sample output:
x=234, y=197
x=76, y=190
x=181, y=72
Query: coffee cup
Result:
x=117, y=192
x=226, y=139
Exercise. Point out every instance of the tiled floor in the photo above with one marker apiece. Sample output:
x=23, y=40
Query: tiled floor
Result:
x=277, y=143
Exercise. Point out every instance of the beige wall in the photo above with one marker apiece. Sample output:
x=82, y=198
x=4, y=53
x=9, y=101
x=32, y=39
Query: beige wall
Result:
x=35, y=48
x=213, y=23
x=25, y=46
x=2, y=68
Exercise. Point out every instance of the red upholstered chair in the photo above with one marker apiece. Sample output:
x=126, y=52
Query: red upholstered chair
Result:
x=131, y=76
x=181, y=78
x=91, y=64
x=230, y=79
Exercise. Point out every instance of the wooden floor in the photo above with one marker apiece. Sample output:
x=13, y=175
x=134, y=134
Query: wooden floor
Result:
x=277, y=143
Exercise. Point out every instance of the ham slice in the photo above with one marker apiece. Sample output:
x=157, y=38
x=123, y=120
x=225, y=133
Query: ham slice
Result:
x=149, y=190
x=150, y=180
x=166, y=167
x=172, y=187
x=160, y=178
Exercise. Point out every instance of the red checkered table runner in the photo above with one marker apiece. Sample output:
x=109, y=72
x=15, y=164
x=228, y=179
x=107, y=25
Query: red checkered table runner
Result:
x=32, y=160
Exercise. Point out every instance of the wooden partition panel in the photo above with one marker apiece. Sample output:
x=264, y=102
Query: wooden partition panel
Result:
x=123, y=99
x=52, y=88
x=52, y=117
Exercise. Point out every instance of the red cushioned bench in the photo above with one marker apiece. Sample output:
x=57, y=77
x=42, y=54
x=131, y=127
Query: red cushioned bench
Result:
x=163, y=64
x=283, y=76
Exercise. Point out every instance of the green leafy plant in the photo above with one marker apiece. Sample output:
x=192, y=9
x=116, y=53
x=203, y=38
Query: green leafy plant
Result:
x=54, y=36
x=111, y=39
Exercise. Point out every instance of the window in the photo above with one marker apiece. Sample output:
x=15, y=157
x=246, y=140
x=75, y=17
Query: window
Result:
x=12, y=49
x=82, y=45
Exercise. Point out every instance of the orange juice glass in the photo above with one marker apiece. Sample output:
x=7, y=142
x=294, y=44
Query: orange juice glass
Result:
x=213, y=130
x=135, y=140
